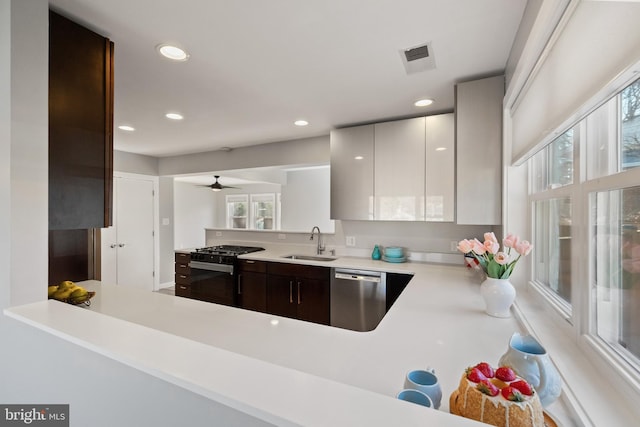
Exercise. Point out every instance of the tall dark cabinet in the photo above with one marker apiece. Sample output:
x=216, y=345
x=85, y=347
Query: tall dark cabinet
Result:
x=80, y=146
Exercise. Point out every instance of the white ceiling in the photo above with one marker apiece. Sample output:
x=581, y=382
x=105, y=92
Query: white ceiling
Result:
x=256, y=66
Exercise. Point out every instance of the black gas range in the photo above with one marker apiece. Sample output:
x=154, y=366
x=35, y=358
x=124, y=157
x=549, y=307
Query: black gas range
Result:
x=222, y=254
x=213, y=276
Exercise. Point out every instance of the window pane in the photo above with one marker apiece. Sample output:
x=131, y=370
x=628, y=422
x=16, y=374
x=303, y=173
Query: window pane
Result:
x=601, y=140
x=540, y=174
x=263, y=209
x=237, y=211
x=630, y=127
x=553, y=165
x=553, y=245
x=561, y=160
x=616, y=268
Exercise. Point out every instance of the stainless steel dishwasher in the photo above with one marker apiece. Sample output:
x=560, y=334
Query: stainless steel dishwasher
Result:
x=358, y=298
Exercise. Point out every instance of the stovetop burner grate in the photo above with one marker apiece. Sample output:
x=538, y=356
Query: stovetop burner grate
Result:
x=228, y=250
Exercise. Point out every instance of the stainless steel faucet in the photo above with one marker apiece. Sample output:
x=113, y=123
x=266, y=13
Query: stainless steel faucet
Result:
x=320, y=247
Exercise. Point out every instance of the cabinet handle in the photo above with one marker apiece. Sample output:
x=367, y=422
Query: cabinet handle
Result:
x=290, y=291
x=299, y=298
x=183, y=277
x=112, y=246
x=250, y=262
x=121, y=245
x=239, y=284
x=183, y=265
x=184, y=288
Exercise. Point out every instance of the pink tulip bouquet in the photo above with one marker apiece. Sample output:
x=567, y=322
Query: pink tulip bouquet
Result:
x=496, y=264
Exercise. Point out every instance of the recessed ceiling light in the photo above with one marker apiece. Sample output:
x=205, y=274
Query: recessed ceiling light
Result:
x=358, y=157
x=301, y=123
x=441, y=148
x=174, y=116
x=127, y=128
x=423, y=102
x=172, y=52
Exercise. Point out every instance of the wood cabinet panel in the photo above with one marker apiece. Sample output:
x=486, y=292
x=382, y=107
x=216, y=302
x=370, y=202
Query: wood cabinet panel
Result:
x=299, y=291
x=280, y=296
x=252, y=265
x=312, y=297
x=252, y=291
x=80, y=126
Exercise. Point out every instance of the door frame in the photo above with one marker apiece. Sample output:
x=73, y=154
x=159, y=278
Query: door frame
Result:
x=156, y=216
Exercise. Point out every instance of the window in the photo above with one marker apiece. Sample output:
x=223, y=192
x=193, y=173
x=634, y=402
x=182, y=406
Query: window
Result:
x=552, y=181
x=553, y=246
x=237, y=210
x=616, y=269
x=605, y=202
x=630, y=126
x=253, y=211
x=263, y=211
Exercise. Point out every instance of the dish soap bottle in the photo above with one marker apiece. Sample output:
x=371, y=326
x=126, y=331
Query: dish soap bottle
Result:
x=376, y=253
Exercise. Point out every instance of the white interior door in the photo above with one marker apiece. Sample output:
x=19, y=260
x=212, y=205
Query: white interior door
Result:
x=128, y=247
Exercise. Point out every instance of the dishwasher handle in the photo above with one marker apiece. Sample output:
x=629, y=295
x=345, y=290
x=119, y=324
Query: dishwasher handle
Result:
x=357, y=277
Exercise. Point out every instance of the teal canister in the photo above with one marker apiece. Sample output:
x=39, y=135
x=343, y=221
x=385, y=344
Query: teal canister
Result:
x=376, y=253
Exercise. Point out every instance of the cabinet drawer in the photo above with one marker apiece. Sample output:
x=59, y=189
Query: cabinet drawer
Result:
x=183, y=268
x=183, y=290
x=182, y=279
x=299, y=270
x=183, y=258
x=252, y=265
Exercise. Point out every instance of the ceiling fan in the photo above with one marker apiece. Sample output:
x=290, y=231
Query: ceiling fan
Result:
x=216, y=186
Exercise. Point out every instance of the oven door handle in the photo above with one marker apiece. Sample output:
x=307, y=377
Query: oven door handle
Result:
x=223, y=268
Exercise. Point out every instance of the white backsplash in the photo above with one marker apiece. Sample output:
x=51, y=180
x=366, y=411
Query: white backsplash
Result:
x=428, y=242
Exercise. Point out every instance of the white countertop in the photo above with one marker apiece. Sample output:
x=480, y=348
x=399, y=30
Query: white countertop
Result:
x=258, y=367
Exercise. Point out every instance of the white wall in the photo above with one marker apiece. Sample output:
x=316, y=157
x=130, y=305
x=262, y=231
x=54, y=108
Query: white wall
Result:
x=306, y=200
x=36, y=367
x=194, y=210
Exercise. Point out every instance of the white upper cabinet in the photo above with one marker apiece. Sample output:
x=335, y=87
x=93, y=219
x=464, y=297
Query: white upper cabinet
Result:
x=352, y=160
x=394, y=171
x=399, y=171
x=440, y=171
x=479, y=151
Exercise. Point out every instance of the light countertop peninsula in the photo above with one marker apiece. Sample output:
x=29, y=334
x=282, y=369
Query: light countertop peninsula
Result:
x=285, y=371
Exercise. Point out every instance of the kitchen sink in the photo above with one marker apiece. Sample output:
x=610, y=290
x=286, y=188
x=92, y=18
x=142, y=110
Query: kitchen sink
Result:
x=310, y=257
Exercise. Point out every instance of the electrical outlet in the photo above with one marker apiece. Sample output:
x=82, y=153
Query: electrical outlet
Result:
x=454, y=246
x=351, y=240
x=218, y=233
x=282, y=236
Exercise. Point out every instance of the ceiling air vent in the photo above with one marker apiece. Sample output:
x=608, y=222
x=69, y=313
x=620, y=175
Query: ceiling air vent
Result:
x=416, y=53
x=418, y=58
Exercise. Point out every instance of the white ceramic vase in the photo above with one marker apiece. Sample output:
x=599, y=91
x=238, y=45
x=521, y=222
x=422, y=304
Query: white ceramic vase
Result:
x=498, y=295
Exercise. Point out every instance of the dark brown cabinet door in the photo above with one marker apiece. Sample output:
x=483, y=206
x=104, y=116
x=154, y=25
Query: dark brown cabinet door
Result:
x=252, y=291
x=281, y=298
x=80, y=126
x=312, y=297
x=302, y=295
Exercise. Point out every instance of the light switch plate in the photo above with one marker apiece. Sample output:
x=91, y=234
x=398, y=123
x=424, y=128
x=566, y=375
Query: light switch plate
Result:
x=351, y=240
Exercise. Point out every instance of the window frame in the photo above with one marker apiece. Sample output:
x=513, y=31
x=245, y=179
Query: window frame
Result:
x=581, y=321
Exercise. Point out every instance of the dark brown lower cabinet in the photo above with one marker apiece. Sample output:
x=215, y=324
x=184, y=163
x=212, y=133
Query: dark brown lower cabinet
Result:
x=252, y=285
x=299, y=291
